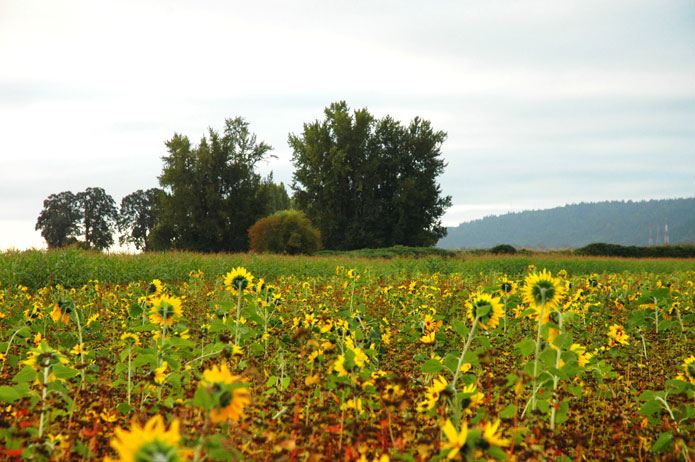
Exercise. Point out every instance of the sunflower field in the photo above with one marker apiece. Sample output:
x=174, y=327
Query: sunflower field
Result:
x=351, y=366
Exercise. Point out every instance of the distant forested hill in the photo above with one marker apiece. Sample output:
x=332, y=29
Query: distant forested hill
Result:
x=576, y=225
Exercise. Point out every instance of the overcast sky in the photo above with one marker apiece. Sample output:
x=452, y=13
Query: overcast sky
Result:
x=545, y=102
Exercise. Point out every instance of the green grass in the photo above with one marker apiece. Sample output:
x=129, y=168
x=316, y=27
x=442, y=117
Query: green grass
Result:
x=74, y=268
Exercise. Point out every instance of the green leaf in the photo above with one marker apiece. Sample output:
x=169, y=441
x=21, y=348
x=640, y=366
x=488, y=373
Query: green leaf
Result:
x=202, y=398
x=272, y=380
x=63, y=372
x=482, y=310
x=451, y=361
x=497, y=453
x=460, y=327
x=432, y=366
x=563, y=340
x=9, y=394
x=526, y=347
x=562, y=413
x=664, y=442
x=649, y=408
x=285, y=383
x=25, y=375
x=124, y=408
x=508, y=412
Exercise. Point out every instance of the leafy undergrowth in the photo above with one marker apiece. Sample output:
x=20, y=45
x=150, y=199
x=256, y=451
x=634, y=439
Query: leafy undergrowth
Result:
x=351, y=367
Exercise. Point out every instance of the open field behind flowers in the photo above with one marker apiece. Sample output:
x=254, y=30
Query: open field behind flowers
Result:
x=186, y=357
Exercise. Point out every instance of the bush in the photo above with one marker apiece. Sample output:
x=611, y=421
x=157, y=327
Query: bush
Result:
x=287, y=232
x=503, y=249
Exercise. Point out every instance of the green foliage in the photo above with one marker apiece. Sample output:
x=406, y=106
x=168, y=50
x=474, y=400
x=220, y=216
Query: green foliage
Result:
x=614, y=250
x=99, y=215
x=91, y=212
x=278, y=199
x=287, y=232
x=213, y=194
x=59, y=220
x=138, y=216
x=370, y=183
x=504, y=249
x=74, y=267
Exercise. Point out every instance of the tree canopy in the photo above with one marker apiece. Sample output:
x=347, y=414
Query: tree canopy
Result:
x=370, y=183
x=90, y=214
x=60, y=219
x=138, y=216
x=212, y=192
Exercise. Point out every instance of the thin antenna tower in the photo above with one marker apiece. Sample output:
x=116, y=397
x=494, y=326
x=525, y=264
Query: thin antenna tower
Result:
x=658, y=235
x=666, y=241
x=651, y=239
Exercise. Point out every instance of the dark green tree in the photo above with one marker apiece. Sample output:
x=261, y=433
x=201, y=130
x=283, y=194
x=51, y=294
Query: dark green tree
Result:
x=213, y=194
x=99, y=216
x=138, y=216
x=370, y=183
x=59, y=220
x=278, y=199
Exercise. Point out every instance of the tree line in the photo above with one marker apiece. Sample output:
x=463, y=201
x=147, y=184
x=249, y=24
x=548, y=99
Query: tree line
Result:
x=361, y=181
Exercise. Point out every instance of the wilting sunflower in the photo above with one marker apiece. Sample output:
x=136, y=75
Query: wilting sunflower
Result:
x=543, y=289
x=165, y=307
x=489, y=320
x=455, y=440
x=229, y=391
x=153, y=442
x=689, y=368
x=61, y=312
x=237, y=279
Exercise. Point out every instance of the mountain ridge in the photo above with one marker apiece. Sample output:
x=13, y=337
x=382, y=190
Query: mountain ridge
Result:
x=576, y=225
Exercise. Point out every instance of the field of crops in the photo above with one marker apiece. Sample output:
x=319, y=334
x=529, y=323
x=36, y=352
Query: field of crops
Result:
x=298, y=359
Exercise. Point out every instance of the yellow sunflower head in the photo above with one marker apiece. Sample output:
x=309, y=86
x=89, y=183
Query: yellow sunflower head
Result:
x=155, y=288
x=237, y=279
x=491, y=437
x=689, y=368
x=542, y=289
x=487, y=308
x=507, y=286
x=150, y=443
x=61, y=312
x=164, y=308
x=229, y=392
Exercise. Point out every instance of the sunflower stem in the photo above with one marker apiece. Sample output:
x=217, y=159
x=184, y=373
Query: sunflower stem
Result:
x=463, y=353
x=538, y=344
x=656, y=316
x=238, y=313
x=130, y=373
x=555, y=377
x=44, y=392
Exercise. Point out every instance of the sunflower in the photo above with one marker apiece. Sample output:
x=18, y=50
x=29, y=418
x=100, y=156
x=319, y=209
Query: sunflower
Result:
x=61, y=313
x=237, y=279
x=155, y=288
x=164, y=308
x=689, y=368
x=456, y=441
x=507, y=286
x=543, y=289
x=617, y=333
x=491, y=318
x=490, y=437
x=153, y=442
x=230, y=393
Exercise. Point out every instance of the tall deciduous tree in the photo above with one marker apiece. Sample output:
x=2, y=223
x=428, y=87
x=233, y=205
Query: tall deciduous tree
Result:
x=370, y=183
x=138, y=216
x=60, y=219
x=99, y=215
x=213, y=194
